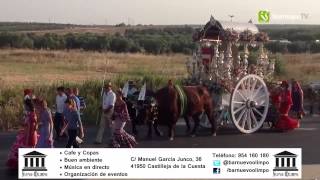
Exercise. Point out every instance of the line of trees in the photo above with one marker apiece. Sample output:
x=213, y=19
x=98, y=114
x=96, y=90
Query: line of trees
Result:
x=294, y=47
x=154, y=41
x=307, y=33
x=131, y=41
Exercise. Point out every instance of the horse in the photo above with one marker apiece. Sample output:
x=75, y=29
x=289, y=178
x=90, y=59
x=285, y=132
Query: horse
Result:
x=143, y=113
x=172, y=105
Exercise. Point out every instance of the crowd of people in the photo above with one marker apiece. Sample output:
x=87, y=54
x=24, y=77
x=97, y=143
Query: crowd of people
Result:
x=113, y=120
x=38, y=122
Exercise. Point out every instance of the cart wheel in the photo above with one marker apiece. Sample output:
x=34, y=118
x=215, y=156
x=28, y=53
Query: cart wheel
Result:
x=249, y=104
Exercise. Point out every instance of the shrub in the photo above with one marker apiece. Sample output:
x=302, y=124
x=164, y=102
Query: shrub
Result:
x=120, y=44
x=153, y=45
x=25, y=42
x=280, y=68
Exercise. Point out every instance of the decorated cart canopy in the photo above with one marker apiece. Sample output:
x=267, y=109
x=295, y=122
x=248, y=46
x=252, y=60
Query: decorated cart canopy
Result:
x=221, y=62
x=215, y=29
x=223, y=51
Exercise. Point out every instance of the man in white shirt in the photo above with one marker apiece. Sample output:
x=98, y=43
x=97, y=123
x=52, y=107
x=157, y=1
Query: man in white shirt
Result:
x=60, y=105
x=109, y=99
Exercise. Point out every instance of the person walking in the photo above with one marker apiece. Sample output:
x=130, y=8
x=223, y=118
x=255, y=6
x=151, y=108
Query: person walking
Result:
x=73, y=120
x=46, y=125
x=27, y=136
x=71, y=95
x=285, y=123
x=121, y=139
x=60, y=106
x=28, y=94
x=297, y=99
x=109, y=99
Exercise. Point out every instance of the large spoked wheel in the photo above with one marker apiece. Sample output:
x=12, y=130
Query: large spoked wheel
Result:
x=249, y=103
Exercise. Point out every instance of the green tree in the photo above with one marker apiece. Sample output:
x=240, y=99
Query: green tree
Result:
x=119, y=44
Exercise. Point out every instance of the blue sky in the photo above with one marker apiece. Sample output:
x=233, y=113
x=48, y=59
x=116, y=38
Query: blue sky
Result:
x=154, y=11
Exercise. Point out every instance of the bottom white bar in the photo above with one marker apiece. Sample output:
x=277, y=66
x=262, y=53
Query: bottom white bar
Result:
x=160, y=163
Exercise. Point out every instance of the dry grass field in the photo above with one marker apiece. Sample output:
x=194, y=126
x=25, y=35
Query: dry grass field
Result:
x=41, y=67
x=303, y=67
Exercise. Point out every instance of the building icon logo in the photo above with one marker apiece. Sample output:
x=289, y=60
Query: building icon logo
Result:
x=285, y=161
x=34, y=161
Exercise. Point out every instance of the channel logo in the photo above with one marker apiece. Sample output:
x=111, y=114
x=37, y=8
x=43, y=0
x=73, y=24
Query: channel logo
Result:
x=263, y=16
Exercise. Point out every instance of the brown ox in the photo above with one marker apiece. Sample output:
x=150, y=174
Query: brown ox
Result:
x=169, y=107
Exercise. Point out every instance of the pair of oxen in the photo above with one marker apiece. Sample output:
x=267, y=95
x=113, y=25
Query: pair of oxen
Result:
x=171, y=103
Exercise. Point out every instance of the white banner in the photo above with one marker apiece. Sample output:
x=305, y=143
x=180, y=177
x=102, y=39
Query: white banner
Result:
x=160, y=163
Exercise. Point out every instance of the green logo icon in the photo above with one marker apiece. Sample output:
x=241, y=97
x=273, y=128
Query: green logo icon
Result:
x=264, y=17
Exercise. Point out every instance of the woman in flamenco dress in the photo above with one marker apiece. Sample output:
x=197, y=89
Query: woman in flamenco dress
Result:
x=26, y=137
x=285, y=123
x=121, y=139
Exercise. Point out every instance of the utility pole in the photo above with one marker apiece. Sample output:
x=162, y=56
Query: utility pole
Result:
x=231, y=16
